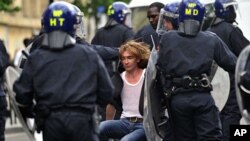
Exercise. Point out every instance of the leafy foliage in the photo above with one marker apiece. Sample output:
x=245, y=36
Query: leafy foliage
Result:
x=5, y=5
x=92, y=7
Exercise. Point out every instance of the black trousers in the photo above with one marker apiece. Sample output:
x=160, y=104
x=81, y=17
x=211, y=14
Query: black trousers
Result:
x=69, y=126
x=195, y=117
x=230, y=114
x=3, y=114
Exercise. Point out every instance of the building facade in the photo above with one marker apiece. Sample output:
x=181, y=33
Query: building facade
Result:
x=14, y=27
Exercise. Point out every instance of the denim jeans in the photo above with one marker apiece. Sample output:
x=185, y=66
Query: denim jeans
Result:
x=121, y=129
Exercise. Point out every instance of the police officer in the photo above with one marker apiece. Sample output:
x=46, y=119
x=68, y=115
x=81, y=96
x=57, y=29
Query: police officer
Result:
x=168, y=19
x=242, y=81
x=116, y=31
x=3, y=103
x=233, y=37
x=106, y=53
x=185, y=59
x=147, y=32
x=65, y=79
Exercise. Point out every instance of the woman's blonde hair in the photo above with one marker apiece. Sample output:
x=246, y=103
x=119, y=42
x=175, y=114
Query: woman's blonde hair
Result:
x=139, y=49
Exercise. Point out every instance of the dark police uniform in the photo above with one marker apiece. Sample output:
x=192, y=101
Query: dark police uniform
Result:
x=243, y=84
x=66, y=85
x=3, y=103
x=236, y=42
x=145, y=33
x=231, y=35
x=112, y=35
x=106, y=53
x=184, y=61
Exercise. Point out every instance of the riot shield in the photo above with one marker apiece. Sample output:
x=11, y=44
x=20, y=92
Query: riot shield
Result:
x=11, y=74
x=240, y=69
x=155, y=117
x=23, y=58
x=221, y=87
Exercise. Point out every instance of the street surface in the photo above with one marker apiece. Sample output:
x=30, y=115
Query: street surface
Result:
x=21, y=136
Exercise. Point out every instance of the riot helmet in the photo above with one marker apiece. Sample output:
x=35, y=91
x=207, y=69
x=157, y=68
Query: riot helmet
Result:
x=120, y=12
x=168, y=19
x=191, y=15
x=226, y=9
x=59, y=20
x=60, y=15
x=242, y=78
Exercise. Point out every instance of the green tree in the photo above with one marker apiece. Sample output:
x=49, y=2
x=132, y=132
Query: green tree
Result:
x=90, y=8
x=6, y=5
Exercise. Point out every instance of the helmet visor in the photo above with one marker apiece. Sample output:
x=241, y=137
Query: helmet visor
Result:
x=128, y=20
x=80, y=31
x=161, y=27
x=164, y=22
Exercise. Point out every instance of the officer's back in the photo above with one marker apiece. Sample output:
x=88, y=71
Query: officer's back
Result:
x=66, y=80
x=185, y=60
x=233, y=37
x=191, y=55
x=57, y=75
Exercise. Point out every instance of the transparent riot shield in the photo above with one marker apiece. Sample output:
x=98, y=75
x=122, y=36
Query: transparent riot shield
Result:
x=240, y=89
x=155, y=116
x=28, y=124
x=161, y=28
x=11, y=75
x=221, y=86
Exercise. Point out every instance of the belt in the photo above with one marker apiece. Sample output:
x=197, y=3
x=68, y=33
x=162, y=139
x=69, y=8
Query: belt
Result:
x=192, y=82
x=135, y=119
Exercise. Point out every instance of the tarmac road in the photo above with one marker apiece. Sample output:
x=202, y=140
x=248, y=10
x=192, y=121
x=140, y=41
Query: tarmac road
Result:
x=20, y=136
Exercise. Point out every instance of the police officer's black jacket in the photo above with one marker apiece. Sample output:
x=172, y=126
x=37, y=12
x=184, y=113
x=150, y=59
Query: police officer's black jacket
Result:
x=74, y=76
x=144, y=34
x=4, y=57
x=113, y=35
x=4, y=61
x=231, y=35
x=181, y=55
x=106, y=53
x=235, y=40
